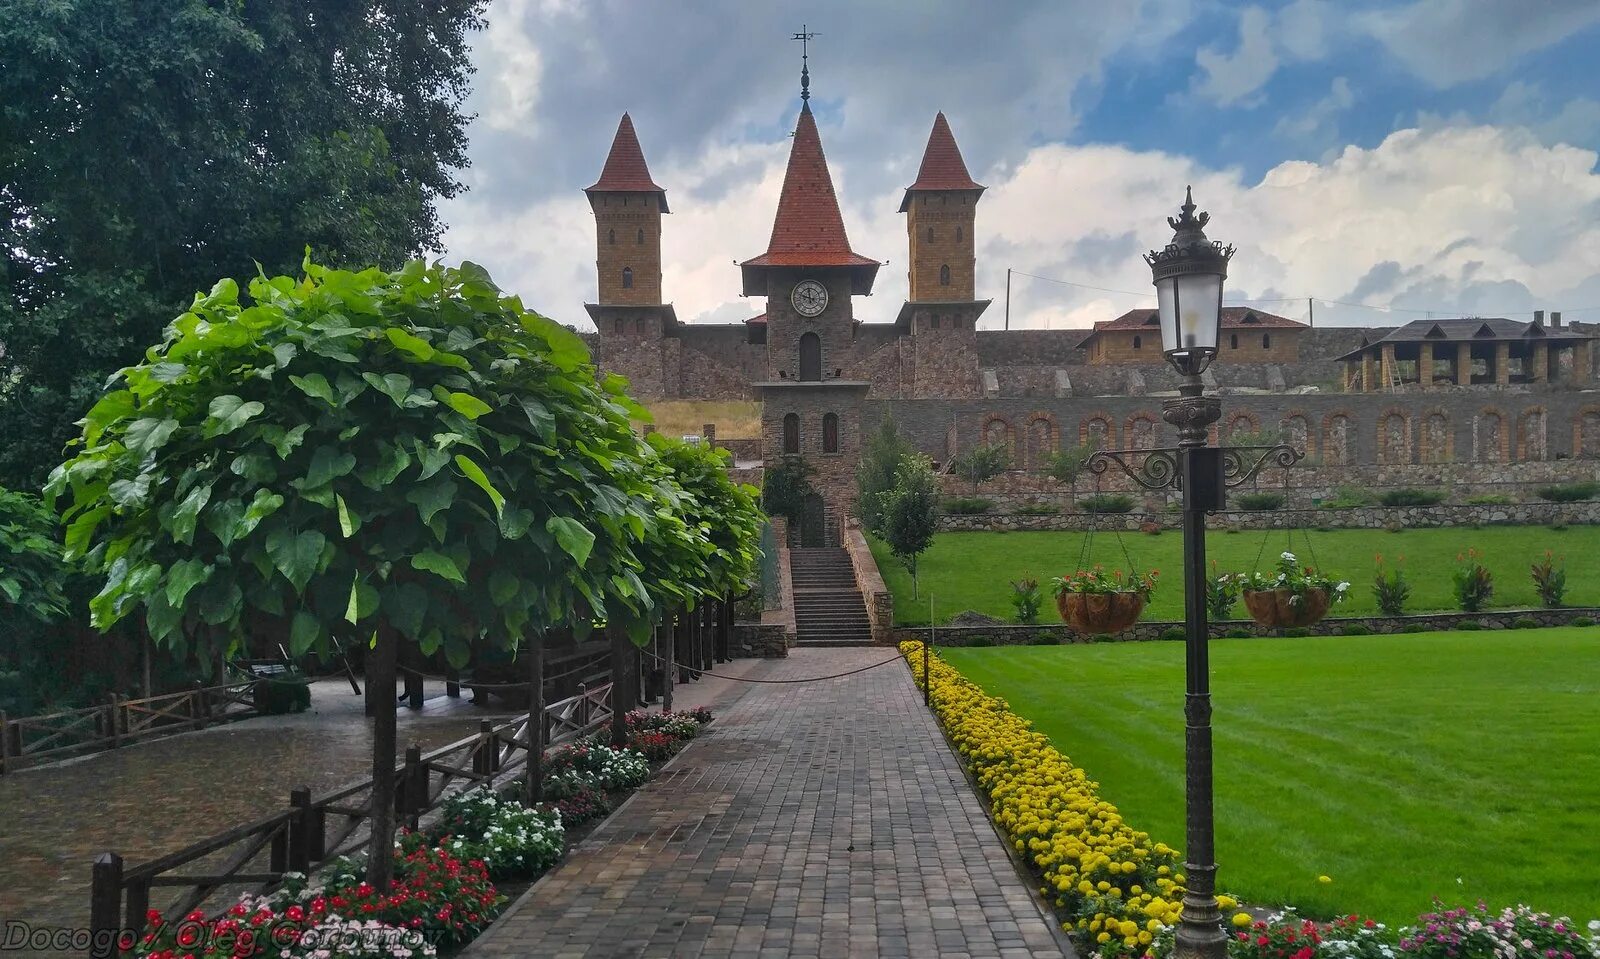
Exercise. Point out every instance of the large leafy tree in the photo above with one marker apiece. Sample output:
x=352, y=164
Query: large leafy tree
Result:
x=911, y=512
x=875, y=475
x=149, y=146
x=405, y=457
x=727, y=514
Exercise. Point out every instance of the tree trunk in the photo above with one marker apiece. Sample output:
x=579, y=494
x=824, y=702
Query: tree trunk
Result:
x=621, y=686
x=533, y=789
x=380, y=685
x=670, y=667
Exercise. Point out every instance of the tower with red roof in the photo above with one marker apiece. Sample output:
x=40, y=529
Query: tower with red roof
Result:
x=627, y=205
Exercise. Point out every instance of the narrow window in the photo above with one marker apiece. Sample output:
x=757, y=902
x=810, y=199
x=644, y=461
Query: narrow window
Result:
x=810, y=357
x=641, y=238
x=611, y=237
x=944, y=275
x=627, y=279
x=638, y=325
x=1233, y=341
x=830, y=433
x=933, y=321
x=618, y=325
x=791, y=433
x=930, y=234
x=1137, y=341
x=958, y=234
x=1266, y=341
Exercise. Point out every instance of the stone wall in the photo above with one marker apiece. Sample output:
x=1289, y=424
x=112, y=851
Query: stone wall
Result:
x=1012, y=635
x=874, y=594
x=1376, y=517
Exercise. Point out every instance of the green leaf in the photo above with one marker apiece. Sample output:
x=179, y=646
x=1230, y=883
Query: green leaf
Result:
x=81, y=529
x=503, y=586
x=393, y=385
x=130, y=493
x=185, y=575
x=348, y=522
x=148, y=435
x=284, y=441
x=328, y=463
x=433, y=460
x=316, y=385
x=432, y=498
x=573, y=537
x=405, y=606
x=439, y=564
x=296, y=556
x=265, y=503
x=544, y=424
x=476, y=474
x=414, y=346
x=363, y=602
x=304, y=631
x=229, y=412
x=284, y=353
x=188, y=512
x=464, y=403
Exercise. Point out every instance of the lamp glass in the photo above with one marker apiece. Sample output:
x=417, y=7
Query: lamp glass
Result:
x=1194, y=301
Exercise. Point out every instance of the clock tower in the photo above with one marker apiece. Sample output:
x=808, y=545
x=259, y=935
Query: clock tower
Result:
x=808, y=275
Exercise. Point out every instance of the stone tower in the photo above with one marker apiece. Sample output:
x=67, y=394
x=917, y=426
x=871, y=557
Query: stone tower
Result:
x=942, y=312
x=627, y=207
x=808, y=276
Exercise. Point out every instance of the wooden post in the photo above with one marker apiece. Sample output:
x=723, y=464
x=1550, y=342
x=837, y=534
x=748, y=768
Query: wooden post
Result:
x=300, y=830
x=278, y=853
x=136, y=905
x=583, y=704
x=105, y=905
x=5, y=741
x=682, y=654
x=483, y=756
x=147, y=649
x=452, y=684
x=199, y=709
x=669, y=668
x=380, y=683
x=108, y=721
x=533, y=789
x=413, y=689
x=621, y=694
x=414, y=786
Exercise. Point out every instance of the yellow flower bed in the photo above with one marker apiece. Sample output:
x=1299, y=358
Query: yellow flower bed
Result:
x=1115, y=890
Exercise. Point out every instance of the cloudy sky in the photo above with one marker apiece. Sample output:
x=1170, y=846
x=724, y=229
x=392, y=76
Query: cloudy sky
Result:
x=1431, y=155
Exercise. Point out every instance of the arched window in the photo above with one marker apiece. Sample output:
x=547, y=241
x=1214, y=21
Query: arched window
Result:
x=944, y=275
x=619, y=323
x=791, y=433
x=959, y=234
x=627, y=278
x=1138, y=341
x=930, y=234
x=934, y=321
x=1233, y=341
x=810, y=357
x=611, y=237
x=830, y=432
x=955, y=322
x=1266, y=341
x=638, y=325
x=641, y=238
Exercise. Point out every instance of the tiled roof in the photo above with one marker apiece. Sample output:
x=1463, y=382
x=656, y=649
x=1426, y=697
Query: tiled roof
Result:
x=942, y=167
x=762, y=319
x=625, y=170
x=1233, y=318
x=1474, y=328
x=808, y=230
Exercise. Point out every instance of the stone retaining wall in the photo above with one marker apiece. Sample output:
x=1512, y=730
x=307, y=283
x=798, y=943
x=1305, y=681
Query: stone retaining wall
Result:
x=1366, y=517
x=1010, y=635
x=874, y=594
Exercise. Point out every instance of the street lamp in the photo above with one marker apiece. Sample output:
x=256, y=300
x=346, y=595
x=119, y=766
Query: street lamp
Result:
x=1188, y=274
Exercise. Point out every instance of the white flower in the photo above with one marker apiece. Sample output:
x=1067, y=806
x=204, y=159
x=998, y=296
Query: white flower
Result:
x=1288, y=557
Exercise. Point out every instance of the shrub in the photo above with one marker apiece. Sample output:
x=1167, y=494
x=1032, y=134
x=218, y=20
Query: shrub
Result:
x=981, y=463
x=1410, y=497
x=1516, y=932
x=1176, y=634
x=1570, y=492
x=1238, y=632
x=655, y=745
x=1580, y=621
x=1222, y=593
x=1474, y=584
x=1256, y=502
x=1297, y=632
x=585, y=805
x=513, y=841
x=1525, y=622
x=1470, y=625
x=966, y=505
x=1107, y=503
x=1045, y=638
x=1389, y=587
x=1026, y=600
x=1355, y=629
x=1102, y=638
x=981, y=641
x=1067, y=464
x=1349, y=497
x=1038, y=509
x=1550, y=579
x=448, y=900
x=1489, y=499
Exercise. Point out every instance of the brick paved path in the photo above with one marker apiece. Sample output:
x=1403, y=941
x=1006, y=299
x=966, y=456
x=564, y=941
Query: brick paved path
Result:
x=827, y=820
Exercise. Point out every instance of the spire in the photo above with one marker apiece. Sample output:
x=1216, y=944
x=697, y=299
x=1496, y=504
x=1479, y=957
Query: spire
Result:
x=625, y=170
x=805, y=37
x=809, y=229
x=942, y=167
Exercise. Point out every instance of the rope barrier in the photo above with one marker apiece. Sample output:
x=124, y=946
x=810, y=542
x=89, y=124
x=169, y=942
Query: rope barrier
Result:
x=777, y=682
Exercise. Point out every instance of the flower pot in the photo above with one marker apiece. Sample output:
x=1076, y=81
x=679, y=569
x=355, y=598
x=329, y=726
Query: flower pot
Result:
x=1273, y=607
x=1093, y=613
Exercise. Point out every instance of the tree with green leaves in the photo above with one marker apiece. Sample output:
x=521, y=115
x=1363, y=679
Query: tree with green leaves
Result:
x=911, y=513
x=875, y=473
x=147, y=148
x=32, y=575
x=726, y=513
x=406, y=457
x=982, y=463
x=786, y=487
x=1067, y=464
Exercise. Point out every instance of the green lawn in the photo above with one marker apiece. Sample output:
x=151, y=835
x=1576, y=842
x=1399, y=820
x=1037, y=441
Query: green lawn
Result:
x=1403, y=767
x=974, y=570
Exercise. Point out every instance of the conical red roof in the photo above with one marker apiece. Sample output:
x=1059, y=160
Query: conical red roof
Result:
x=808, y=230
x=942, y=166
x=625, y=170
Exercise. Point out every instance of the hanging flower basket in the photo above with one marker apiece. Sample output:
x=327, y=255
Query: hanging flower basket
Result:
x=1285, y=607
x=1092, y=602
x=1094, y=613
x=1293, y=595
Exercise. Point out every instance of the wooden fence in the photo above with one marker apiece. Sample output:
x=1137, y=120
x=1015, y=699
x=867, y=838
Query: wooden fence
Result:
x=29, y=740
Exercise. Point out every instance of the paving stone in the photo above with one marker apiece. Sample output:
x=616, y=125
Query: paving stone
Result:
x=819, y=819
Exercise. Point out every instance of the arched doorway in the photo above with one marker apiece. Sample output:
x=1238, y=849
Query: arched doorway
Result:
x=813, y=522
x=810, y=358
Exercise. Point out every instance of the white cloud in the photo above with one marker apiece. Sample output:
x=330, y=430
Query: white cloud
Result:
x=1233, y=77
x=1446, y=42
x=1318, y=124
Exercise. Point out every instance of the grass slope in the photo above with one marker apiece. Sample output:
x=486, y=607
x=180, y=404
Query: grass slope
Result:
x=1461, y=765
x=734, y=419
x=974, y=570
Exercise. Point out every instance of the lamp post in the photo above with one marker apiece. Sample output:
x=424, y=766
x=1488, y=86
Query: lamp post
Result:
x=1188, y=274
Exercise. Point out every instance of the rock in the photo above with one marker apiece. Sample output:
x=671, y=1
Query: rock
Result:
x=991, y=383
x=1275, y=380
x=1136, y=385
x=1063, y=384
x=972, y=617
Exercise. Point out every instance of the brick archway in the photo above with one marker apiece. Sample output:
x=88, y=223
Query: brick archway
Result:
x=1336, y=438
x=1436, y=440
x=1040, y=439
x=1533, y=435
x=1487, y=447
x=1296, y=429
x=998, y=431
x=1099, y=423
x=1586, y=432
x=1142, y=431
x=1394, y=437
x=1245, y=418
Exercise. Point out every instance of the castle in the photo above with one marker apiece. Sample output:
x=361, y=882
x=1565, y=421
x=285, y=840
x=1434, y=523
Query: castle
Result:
x=1481, y=402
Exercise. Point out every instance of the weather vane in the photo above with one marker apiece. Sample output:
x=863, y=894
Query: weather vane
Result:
x=805, y=37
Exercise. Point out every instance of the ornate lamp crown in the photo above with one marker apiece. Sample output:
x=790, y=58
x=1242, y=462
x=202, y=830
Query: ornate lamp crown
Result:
x=1189, y=251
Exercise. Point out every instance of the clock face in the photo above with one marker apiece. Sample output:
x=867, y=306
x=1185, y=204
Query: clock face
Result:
x=809, y=297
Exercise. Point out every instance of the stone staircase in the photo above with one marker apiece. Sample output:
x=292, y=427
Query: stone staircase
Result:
x=828, y=610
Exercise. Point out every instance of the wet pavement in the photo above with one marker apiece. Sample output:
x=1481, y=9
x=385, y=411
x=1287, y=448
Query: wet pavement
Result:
x=156, y=797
